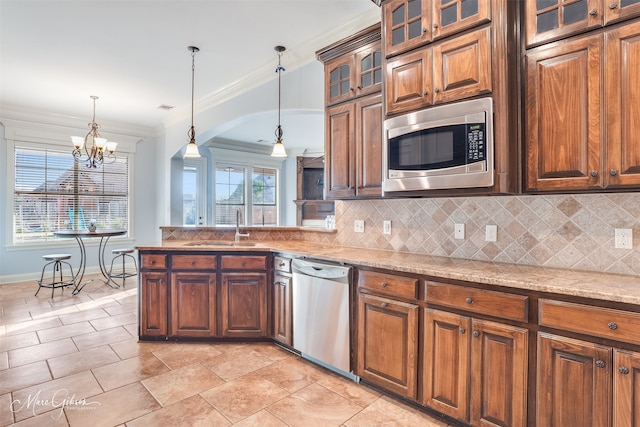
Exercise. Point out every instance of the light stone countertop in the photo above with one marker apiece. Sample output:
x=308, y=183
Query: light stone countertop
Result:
x=601, y=286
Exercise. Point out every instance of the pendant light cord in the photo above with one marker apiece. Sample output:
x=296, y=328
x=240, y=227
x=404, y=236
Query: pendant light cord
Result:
x=192, y=131
x=279, y=70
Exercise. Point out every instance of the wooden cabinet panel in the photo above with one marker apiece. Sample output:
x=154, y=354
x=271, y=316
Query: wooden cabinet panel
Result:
x=153, y=303
x=490, y=303
x=388, y=284
x=339, y=79
x=608, y=323
x=626, y=389
x=193, y=304
x=622, y=89
x=153, y=261
x=282, y=310
x=462, y=66
x=282, y=264
x=573, y=383
x=194, y=262
x=563, y=113
x=620, y=9
x=499, y=363
x=243, y=262
x=408, y=81
x=388, y=344
x=340, y=151
x=243, y=304
x=446, y=373
x=369, y=146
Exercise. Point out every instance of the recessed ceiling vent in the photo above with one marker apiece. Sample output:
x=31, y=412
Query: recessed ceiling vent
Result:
x=165, y=107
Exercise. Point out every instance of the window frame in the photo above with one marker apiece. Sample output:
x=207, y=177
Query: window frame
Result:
x=40, y=136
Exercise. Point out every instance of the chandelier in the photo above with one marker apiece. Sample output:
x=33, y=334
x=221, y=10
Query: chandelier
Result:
x=192, y=147
x=278, y=147
x=95, y=147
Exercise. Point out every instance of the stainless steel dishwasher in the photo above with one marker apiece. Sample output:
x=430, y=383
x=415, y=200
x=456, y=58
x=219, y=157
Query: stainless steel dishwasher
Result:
x=321, y=320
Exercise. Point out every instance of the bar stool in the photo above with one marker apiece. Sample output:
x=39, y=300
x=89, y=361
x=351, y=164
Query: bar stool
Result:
x=58, y=261
x=124, y=273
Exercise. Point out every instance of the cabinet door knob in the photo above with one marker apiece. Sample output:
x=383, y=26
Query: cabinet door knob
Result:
x=153, y=261
x=383, y=284
x=193, y=262
x=424, y=30
x=243, y=263
x=469, y=300
x=623, y=370
x=435, y=25
x=612, y=325
x=613, y=172
x=436, y=90
x=425, y=92
x=282, y=264
x=613, y=5
x=593, y=12
x=383, y=305
x=594, y=173
x=600, y=363
x=476, y=333
x=463, y=330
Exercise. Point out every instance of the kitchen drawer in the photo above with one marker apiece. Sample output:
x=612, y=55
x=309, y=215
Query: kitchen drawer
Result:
x=490, y=303
x=388, y=284
x=601, y=322
x=282, y=264
x=194, y=262
x=244, y=262
x=155, y=261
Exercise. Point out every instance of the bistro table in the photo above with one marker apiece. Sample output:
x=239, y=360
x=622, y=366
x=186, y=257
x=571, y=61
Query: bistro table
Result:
x=79, y=235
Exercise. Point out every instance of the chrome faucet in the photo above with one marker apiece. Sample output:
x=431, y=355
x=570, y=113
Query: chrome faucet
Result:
x=238, y=234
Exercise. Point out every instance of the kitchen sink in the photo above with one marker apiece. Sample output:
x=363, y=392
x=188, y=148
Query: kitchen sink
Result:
x=219, y=243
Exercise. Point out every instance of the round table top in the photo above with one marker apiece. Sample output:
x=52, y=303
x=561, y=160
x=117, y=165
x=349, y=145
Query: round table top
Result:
x=87, y=233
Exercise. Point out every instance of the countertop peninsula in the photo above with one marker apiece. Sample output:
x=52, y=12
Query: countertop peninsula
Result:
x=587, y=284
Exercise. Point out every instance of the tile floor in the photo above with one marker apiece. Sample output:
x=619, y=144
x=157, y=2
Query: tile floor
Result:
x=76, y=361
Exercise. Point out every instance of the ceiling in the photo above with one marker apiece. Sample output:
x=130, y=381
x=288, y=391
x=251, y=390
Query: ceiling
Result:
x=133, y=54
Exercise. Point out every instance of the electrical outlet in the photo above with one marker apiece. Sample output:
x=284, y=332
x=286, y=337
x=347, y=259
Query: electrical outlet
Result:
x=459, y=232
x=491, y=233
x=358, y=226
x=386, y=227
x=623, y=238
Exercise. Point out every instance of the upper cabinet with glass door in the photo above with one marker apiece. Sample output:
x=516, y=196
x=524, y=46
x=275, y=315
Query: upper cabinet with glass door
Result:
x=548, y=20
x=412, y=23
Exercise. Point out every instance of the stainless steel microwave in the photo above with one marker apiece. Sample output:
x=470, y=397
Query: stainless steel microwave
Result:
x=443, y=147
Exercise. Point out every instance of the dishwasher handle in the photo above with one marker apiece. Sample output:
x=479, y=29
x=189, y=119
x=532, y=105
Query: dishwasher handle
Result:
x=321, y=270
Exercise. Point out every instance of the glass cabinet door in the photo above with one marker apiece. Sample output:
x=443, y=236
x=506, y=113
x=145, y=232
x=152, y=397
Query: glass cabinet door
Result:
x=548, y=20
x=369, y=65
x=616, y=10
x=451, y=16
x=339, y=80
x=406, y=25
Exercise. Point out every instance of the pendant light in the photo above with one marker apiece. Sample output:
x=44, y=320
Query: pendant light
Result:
x=278, y=147
x=94, y=146
x=192, y=148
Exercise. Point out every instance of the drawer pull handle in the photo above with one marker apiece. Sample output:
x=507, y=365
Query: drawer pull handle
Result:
x=243, y=263
x=383, y=305
x=469, y=300
x=153, y=261
x=600, y=363
x=623, y=370
x=383, y=284
x=463, y=330
x=476, y=333
x=282, y=263
x=612, y=325
x=193, y=262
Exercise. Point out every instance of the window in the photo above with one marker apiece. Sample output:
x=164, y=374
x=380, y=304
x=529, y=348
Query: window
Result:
x=258, y=203
x=194, y=186
x=51, y=192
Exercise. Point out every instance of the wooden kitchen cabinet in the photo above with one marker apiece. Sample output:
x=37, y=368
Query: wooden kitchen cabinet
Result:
x=626, y=388
x=409, y=24
x=353, y=149
x=243, y=296
x=193, y=304
x=450, y=70
x=552, y=20
x=153, y=303
x=387, y=335
x=572, y=88
x=476, y=370
x=281, y=305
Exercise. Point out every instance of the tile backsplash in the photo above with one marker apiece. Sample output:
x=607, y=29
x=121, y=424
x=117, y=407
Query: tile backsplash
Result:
x=567, y=231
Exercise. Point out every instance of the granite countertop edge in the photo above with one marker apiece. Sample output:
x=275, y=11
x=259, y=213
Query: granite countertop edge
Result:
x=587, y=284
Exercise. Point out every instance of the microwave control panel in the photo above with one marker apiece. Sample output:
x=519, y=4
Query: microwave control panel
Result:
x=476, y=144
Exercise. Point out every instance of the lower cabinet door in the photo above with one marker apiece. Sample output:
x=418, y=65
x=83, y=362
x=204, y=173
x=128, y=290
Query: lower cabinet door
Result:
x=446, y=363
x=626, y=388
x=388, y=344
x=573, y=383
x=243, y=304
x=153, y=303
x=281, y=307
x=193, y=304
x=499, y=361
